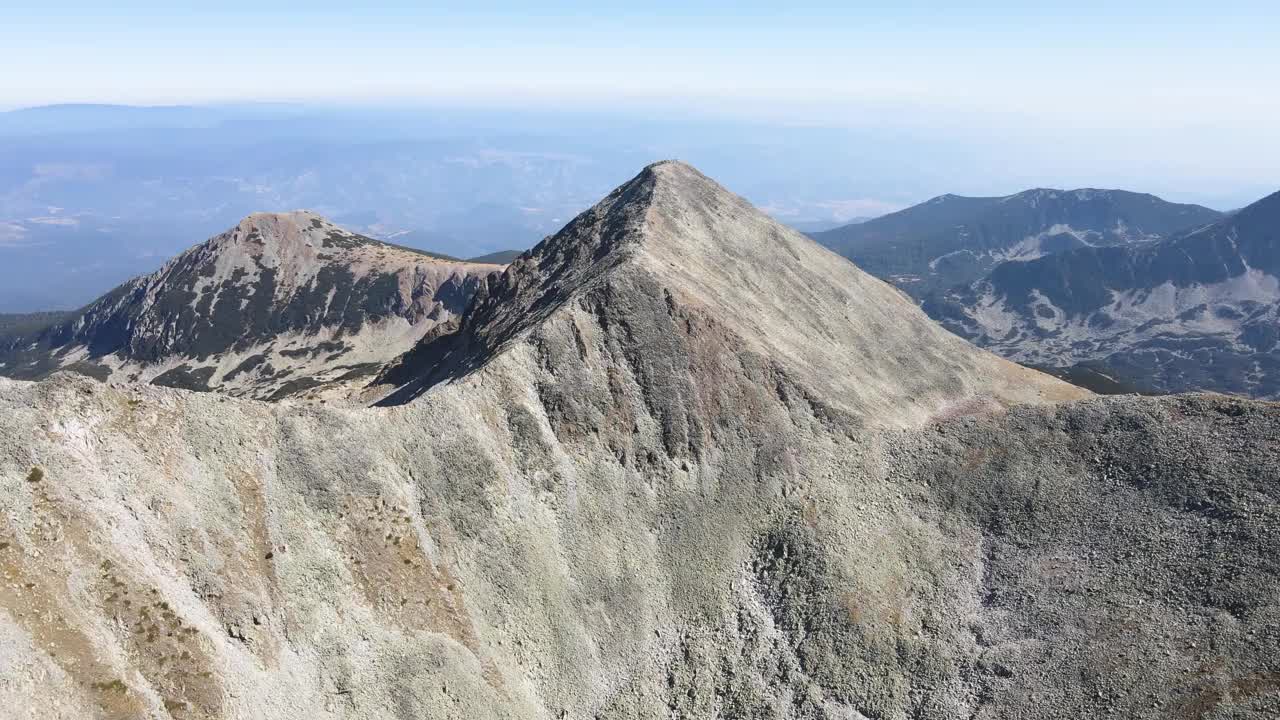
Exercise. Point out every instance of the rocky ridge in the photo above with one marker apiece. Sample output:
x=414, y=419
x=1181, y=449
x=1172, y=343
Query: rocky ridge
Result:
x=279, y=305
x=623, y=487
x=953, y=240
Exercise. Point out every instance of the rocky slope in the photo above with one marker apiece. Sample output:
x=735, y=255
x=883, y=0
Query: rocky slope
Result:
x=639, y=482
x=952, y=240
x=280, y=304
x=1200, y=310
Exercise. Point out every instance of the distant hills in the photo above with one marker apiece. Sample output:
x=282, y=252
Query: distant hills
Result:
x=952, y=239
x=1115, y=290
x=1198, y=310
x=90, y=118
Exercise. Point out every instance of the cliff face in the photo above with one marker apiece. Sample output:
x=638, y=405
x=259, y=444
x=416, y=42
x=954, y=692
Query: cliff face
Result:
x=652, y=472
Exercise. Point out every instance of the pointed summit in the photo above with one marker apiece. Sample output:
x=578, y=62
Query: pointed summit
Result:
x=671, y=266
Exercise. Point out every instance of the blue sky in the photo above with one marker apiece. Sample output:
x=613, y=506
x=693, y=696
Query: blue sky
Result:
x=1189, y=84
x=1072, y=62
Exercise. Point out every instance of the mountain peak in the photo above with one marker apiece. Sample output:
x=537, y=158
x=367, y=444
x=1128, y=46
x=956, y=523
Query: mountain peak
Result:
x=643, y=211
x=669, y=164
x=670, y=186
x=1034, y=195
x=672, y=257
x=1082, y=194
x=298, y=219
x=296, y=228
x=277, y=304
x=678, y=181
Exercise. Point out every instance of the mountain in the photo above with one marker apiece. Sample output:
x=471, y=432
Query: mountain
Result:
x=1200, y=310
x=676, y=461
x=673, y=251
x=280, y=304
x=952, y=240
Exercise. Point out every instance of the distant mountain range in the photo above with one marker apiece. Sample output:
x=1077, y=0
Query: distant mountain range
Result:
x=278, y=305
x=952, y=239
x=1114, y=290
x=1199, y=310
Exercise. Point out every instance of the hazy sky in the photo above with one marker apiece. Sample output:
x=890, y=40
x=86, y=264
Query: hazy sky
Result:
x=1181, y=83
